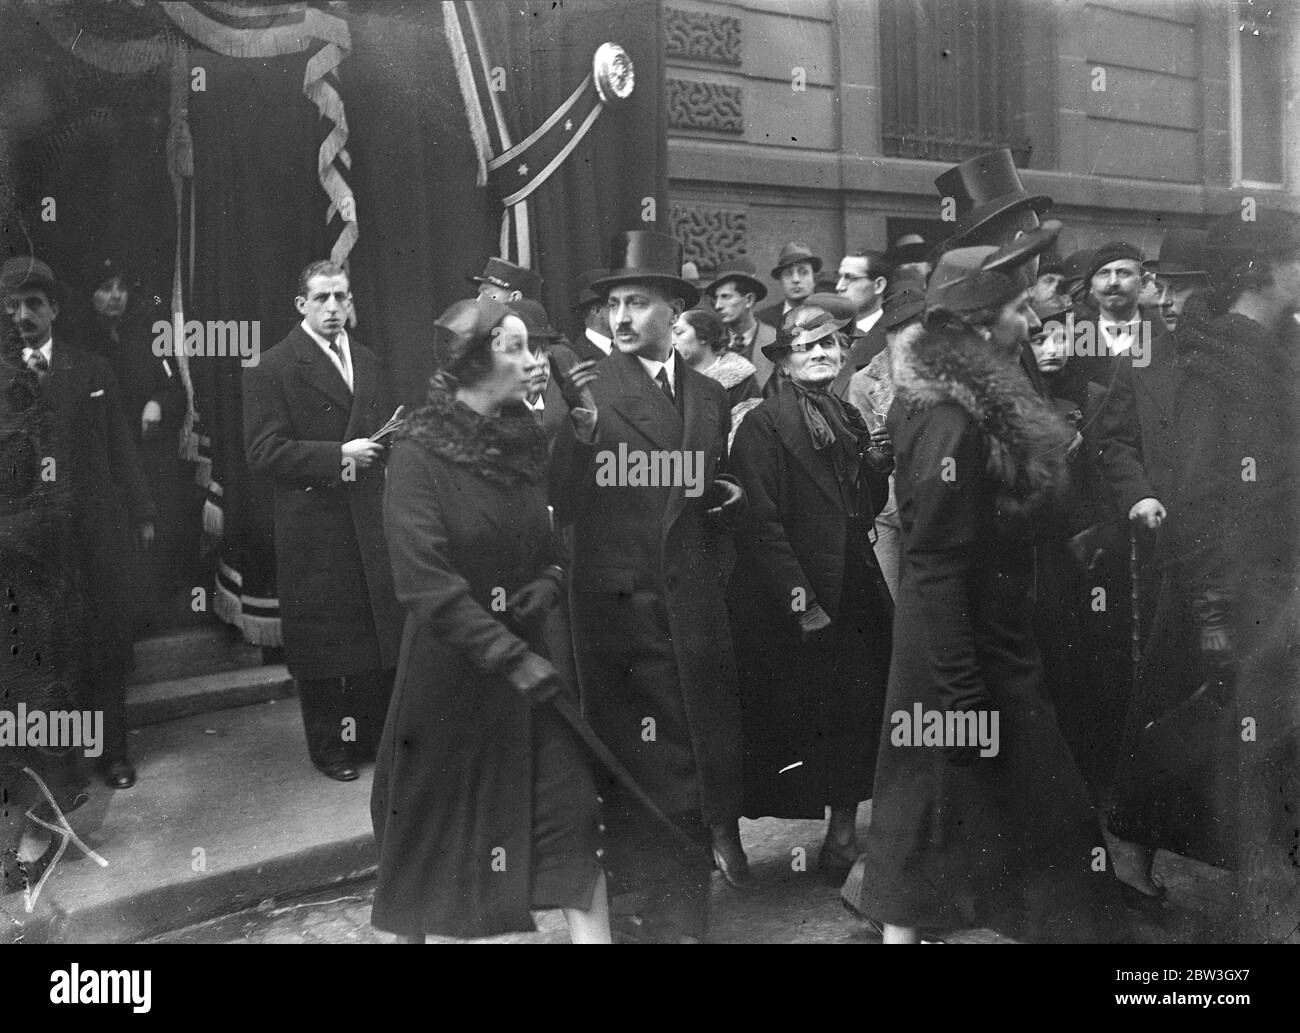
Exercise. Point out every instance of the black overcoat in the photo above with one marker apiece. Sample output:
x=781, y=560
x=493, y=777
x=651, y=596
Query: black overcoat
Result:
x=335, y=584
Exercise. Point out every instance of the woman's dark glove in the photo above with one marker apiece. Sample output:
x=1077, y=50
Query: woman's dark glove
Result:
x=535, y=679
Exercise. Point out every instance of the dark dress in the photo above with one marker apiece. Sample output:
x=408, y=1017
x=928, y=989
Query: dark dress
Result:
x=483, y=806
x=1008, y=840
x=810, y=714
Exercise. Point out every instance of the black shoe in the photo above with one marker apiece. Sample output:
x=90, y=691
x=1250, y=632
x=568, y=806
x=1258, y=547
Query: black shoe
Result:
x=729, y=856
x=836, y=860
x=118, y=774
x=339, y=768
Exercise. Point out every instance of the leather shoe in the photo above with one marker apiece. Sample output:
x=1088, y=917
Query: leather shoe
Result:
x=729, y=856
x=119, y=774
x=836, y=861
x=339, y=768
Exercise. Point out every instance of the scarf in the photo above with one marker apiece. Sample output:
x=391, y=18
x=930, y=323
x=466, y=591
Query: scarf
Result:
x=834, y=427
x=508, y=449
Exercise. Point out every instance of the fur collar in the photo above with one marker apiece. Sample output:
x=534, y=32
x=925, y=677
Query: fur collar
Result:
x=508, y=450
x=1025, y=440
x=730, y=369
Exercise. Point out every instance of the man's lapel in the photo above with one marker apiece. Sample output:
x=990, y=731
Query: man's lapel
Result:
x=363, y=392
x=699, y=433
x=642, y=402
x=319, y=372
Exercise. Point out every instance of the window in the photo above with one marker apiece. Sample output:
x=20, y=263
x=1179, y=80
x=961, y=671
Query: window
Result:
x=1258, y=78
x=951, y=77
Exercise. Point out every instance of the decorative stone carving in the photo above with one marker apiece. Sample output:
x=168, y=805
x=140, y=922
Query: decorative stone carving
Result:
x=710, y=235
x=705, y=105
x=696, y=36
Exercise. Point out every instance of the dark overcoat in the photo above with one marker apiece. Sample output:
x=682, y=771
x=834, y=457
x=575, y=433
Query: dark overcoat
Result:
x=335, y=584
x=649, y=615
x=811, y=713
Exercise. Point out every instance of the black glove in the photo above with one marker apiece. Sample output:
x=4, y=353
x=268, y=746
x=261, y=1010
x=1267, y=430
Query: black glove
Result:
x=815, y=626
x=725, y=504
x=534, y=600
x=535, y=679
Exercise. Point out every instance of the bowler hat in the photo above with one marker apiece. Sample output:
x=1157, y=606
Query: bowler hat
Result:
x=465, y=326
x=971, y=278
x=1233, y=240
x=985, y=187
x=742, y=271
x=644, y=256
x=817, y=317
x=791, y=254
x=583, y=294
x=1181, y=254
x=904, y=301
x=508, y=276
x=535, y=318
x=27, y=272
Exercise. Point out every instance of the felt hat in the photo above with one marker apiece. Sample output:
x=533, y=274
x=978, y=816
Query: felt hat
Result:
x=644, y=256
x=535, y=318
x=904, y=301
x=742, y=271
x=1232, y=240
x=907, y=249
x=583, y=295
x=465, y=327
x=985, y=187
x=26, y=272
x=508, y=276
x=1181, y=254
x=791, y=254
x=971, y=278
x=819, y=316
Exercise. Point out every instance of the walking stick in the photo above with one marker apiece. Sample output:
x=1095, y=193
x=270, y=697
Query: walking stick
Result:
x=1135, y=597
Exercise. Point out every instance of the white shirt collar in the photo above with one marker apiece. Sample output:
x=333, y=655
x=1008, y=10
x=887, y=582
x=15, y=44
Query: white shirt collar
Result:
x=865, y=323
x=344, y=365
x=539, y=405
x=46, y=349
x=605, y=344
x=1118, y=334
x=653, y=367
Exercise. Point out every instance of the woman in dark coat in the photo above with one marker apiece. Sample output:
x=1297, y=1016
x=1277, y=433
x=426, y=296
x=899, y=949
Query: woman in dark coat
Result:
x=1230, y=795
x=991, y=827
x=483, y=805
x=810, y=611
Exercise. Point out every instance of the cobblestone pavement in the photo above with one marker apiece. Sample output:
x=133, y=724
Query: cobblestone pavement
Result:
x=785, y=905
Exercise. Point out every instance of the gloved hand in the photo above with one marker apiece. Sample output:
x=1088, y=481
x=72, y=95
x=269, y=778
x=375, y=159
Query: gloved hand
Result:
x=575, y=383
x=535, y=679
x=814, y=626
x=726, y=504
x=534, y=600
x=1213, y=614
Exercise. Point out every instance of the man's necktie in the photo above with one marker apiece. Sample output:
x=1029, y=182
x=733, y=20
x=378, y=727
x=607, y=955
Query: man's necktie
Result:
x=37, y=363
x=662, y=378
x=338, y=354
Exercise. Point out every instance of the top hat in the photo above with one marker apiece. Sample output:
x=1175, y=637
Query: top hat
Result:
x=792, y=253
x=508, y=276
x=644, y=256
x=904, y=301
x=909, y=248
x=971, y=278
x=465, y=326
x=535, y=319
x=816, y=317
x=985, y=187
x=583, y=294
x=1232, y=240
x=1180, y=254
x=18, y=273
x=743, y=272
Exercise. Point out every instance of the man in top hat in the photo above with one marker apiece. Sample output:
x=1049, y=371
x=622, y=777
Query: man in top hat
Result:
x=1179, y=271
x=94, y=437
x=736, y=289
x=653, y=647
x=309, y=408
x=910, y=257
x=589, y=313
x=796, y=271
x=505, y=282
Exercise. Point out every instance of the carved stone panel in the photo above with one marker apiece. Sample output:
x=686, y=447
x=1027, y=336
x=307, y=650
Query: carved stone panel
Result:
x=710, y=235
x=705, y=105
x=697, y=36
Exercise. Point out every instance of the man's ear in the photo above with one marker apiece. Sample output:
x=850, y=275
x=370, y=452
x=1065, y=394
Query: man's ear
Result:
x=882, y=285
x=300, y=303
x=678, y=306
x=54, y=310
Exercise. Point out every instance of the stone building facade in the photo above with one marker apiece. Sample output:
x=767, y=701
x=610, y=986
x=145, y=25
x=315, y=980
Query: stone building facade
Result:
x=828, y=120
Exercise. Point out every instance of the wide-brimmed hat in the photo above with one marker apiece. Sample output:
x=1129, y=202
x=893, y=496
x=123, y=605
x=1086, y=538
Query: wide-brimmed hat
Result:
x=583, y=295
x=535, y=319
x=25, y=272
x=1181, y=254
x=508, y=276
x=793, y=253
x=1233, y=240
x=742, y=271
x=985, y=187
x=904, y=301
x=644, y=256
x=816, y=318
x=464, y=327
x=971, y=278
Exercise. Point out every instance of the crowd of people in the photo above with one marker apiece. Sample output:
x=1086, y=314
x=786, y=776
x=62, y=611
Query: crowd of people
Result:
x=1001, y=541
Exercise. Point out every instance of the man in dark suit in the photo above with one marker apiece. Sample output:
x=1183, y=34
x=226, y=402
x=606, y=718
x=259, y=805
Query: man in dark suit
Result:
x=93, y=435
x=590, y=327
x=308, y=408
x=796, y=271
x=735, y=290
x=653, y=648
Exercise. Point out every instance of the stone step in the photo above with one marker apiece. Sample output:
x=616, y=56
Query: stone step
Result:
x=228, y=812
x=210, y=649
x=156, y=702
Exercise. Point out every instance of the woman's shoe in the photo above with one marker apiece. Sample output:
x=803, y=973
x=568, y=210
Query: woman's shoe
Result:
x=729, y=856
x=836, y=860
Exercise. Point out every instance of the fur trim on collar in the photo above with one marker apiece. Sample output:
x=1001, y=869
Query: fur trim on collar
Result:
x=1026, y=440
x=730, y=369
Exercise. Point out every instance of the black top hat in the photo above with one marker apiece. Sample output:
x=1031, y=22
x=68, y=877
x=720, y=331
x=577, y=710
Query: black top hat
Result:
x=1181, y=254
x=535, y=319
x=583, y=294
x=985, y=187
x=465, y=326
x=644, y=256
x=793, y=252
x=743, y=272
x=26, y=272
x=816, y=317
x=510, y=277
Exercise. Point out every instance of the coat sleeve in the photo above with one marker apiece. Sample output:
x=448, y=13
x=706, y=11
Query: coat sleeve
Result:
x=946, y=473
x=1119, y=437
x=123, y=459
x=428, y=585
x=269, y=444
x=755, y=461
